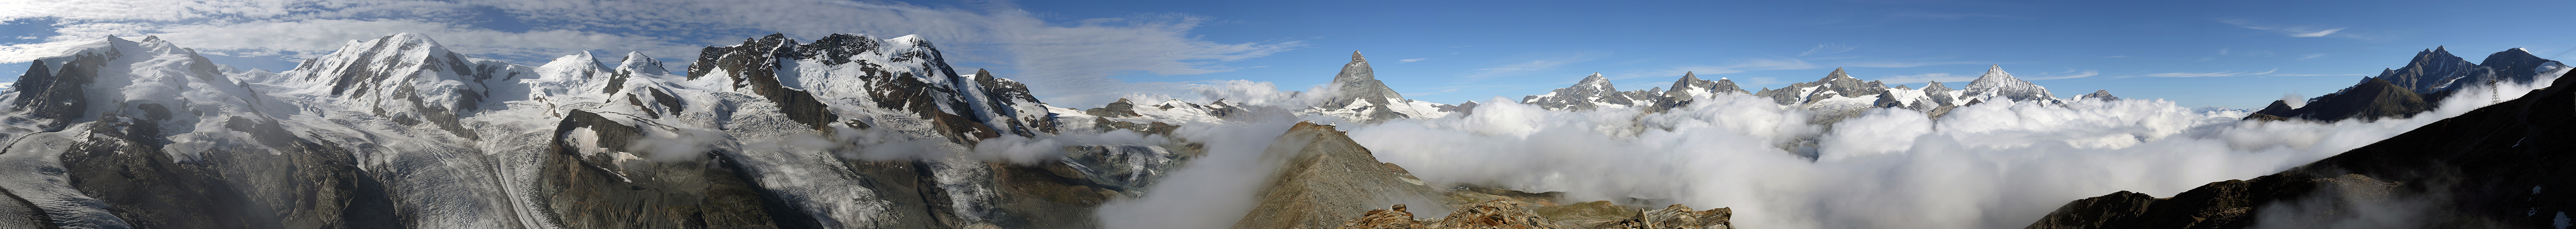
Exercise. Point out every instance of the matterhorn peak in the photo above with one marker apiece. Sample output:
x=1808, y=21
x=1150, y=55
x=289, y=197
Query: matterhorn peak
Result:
x=1355, y=57
x=1838, y=74
x=636, y=62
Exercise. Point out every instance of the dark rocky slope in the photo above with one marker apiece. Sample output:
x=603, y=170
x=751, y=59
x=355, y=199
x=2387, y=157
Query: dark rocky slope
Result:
x=1327, y=177
x=2502, y=166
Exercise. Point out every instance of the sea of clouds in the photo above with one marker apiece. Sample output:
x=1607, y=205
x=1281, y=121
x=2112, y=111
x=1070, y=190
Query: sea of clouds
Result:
x=1991, y=165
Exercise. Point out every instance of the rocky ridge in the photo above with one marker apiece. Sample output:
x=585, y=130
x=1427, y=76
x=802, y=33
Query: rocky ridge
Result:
x=2492, y=167
x=2420, y=86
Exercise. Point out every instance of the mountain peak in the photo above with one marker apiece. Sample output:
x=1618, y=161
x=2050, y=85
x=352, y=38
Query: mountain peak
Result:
x=636, y=62
x=1355, y=57
x=411, y=38
x=578, y=65
x=1838, y=74
x=1998, y=83
x=1996, y=72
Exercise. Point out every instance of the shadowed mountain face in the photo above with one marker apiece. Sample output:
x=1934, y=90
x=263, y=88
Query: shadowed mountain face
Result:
x=2372, y=99
x=2432, y=76
x=2502, y=166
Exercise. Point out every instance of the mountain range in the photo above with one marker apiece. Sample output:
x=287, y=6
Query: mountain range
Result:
x=853, y=131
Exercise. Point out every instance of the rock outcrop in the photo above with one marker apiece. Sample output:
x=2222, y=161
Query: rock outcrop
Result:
x=1327, y=177
x=1504, y=213
x=2373, y=99
x=2495, y=167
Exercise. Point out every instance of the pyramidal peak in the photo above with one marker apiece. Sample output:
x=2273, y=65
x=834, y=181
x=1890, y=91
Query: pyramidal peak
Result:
x=1838, y=74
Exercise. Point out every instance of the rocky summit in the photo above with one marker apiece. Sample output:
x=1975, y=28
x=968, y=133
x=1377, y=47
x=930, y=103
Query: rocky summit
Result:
x=2434, y=75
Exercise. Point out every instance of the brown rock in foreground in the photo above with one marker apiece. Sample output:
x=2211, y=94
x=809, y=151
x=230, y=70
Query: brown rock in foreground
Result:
x=1510, y=214
x=1326, y=178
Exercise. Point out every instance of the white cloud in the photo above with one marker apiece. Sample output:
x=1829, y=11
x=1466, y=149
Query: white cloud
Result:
x=1540, y=64
x=1984, y=166
x=2063, y=75
x=1927, y=77
x=2293, y=31
x=1755, y=64
x=2312, y=56
x=2202, y=74
x=1067, y=58
x=1827, y=49
x=1411, y=60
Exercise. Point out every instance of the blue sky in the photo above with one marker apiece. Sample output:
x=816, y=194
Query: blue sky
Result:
x=2239, y=54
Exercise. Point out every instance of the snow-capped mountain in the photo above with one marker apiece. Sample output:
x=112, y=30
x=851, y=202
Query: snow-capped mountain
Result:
x=398, y=131
x=1358, y=96
x=1690, y=86
x=1999, y=84
x=1594, y=92
x=1837, y=95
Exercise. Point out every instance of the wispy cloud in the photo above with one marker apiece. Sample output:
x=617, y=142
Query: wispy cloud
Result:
x=2070, y=74
x=2312, y=56
x=1757, y=64
x=1951, y=16
x=2118, y=56
x=1539, y=64
x=1927, y=77
x=1411, y=60
x=1827, y=49
x=2206, y=74
x=2294, y=31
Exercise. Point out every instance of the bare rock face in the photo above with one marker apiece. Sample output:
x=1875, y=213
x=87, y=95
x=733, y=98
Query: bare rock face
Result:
x=1395, y=218
x=2500, y=166
x=1512, y=214
x=2371, y=100
x=1326, y=178
x=1361, y=91
x=602, y=184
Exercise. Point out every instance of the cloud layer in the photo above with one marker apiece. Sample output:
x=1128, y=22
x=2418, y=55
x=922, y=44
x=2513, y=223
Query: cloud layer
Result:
x=1992, y=165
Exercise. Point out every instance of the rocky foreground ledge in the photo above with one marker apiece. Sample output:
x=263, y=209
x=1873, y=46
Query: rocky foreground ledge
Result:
x=1329, y=181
